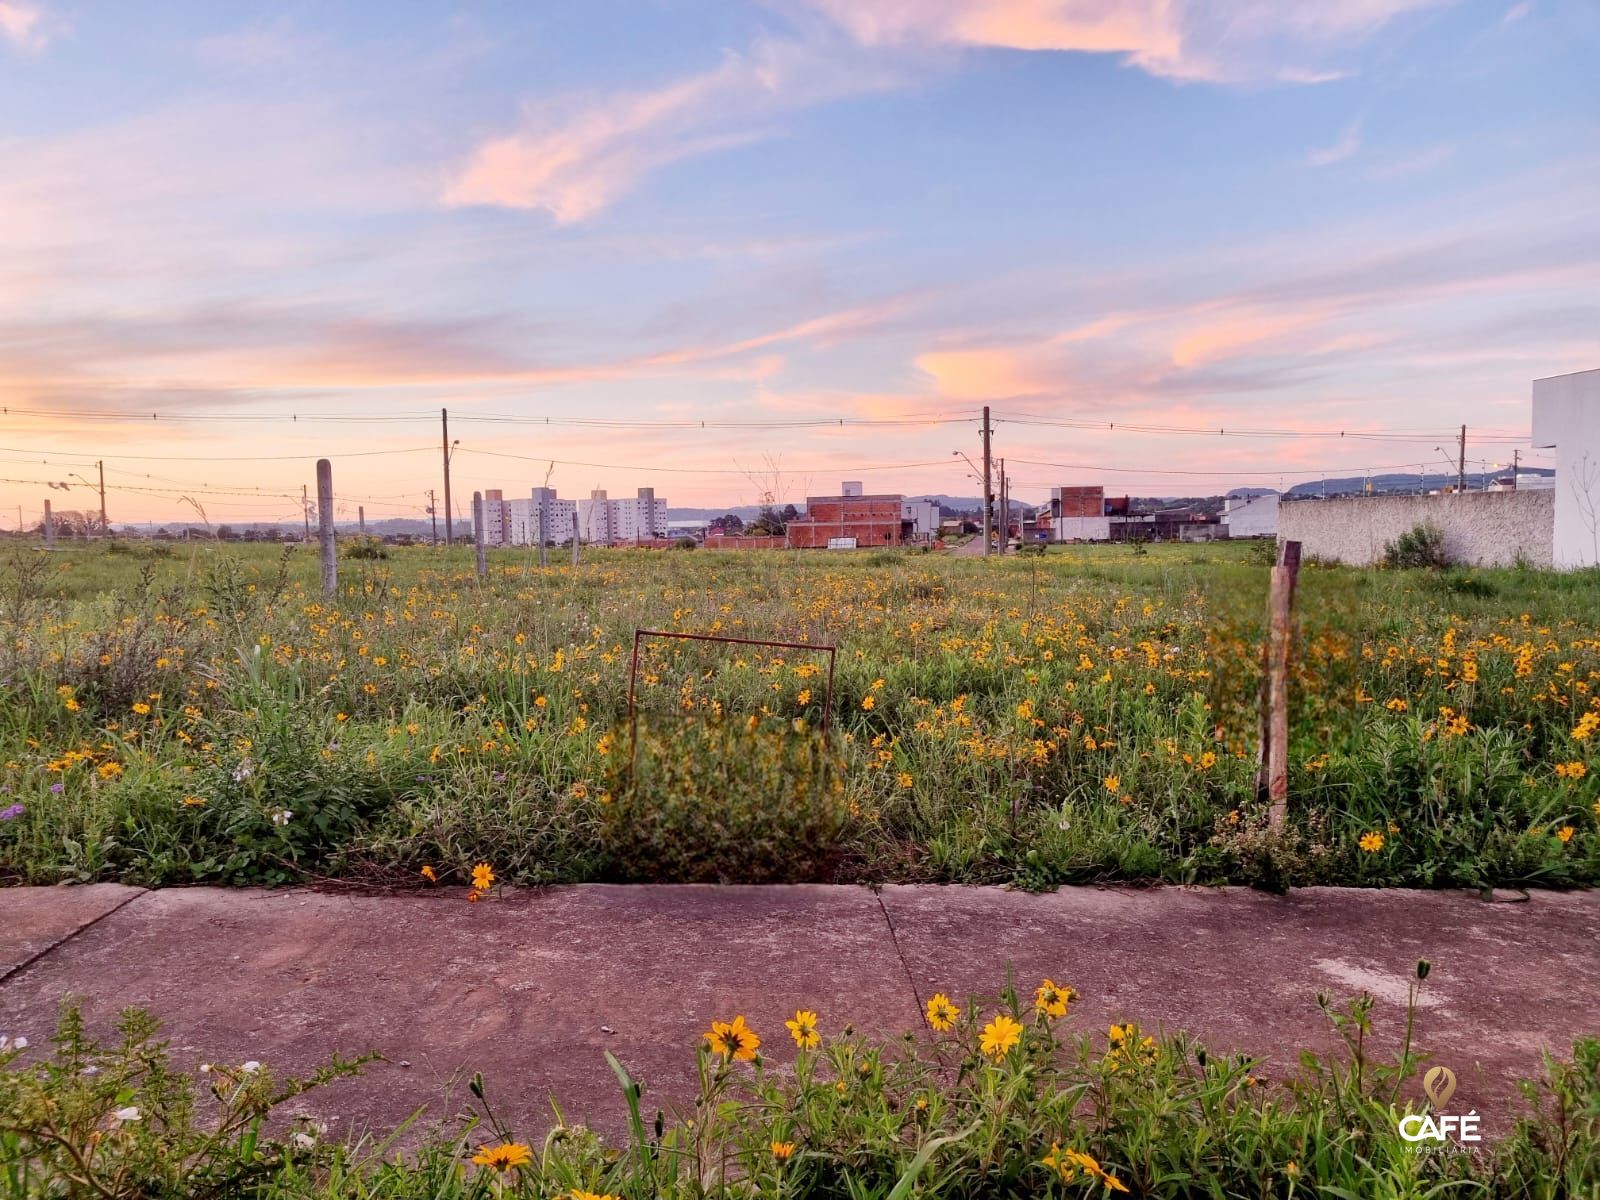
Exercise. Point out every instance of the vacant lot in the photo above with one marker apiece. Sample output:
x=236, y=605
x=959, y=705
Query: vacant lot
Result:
x=206, y=714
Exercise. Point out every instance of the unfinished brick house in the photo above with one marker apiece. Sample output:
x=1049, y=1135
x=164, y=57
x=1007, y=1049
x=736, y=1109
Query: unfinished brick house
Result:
x=870, y=520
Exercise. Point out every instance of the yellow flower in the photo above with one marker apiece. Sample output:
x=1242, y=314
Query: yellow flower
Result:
x=1396, y=705
x=1571, y=770
x=1207, y=761
x=140, y=707
x=803, y=696
x=580, y=1194
x=72, y=705
x=194, y=801
x=1052, y=999
x=733, y=1039
x=1565, y=833
x=1587, y=724
x=1068, y=1163
x=109, y=770
x=941, y=1013
x=429, y=875
x=1372, y=842
x=782, y=1150
x=869, y=703
x=1000, y=1035
x=504, y=1156
x=482, y=877
x=904, y=779
x=803, y=1029
x=1113, y=783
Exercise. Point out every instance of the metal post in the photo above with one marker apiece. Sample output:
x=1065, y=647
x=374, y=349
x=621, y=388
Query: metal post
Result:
x=480, y=551
x=444, y=421
x=49, y=527
x=330, y=550
x=988, y=524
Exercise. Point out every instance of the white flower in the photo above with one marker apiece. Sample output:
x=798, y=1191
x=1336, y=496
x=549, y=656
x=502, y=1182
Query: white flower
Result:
x=282, y=817
x=303, y=1141
x=127, y=1114
x=251, y=1067
x=243, y=771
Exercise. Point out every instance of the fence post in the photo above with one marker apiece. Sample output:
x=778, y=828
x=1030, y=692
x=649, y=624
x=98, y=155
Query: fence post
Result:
x=330, y=551
x=1272, y=772
x=361, y=518
x=49, y=527
x=480, y=551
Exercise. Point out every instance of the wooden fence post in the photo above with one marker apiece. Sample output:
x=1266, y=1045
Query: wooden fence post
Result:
x=479, y=549
x=330, y=549
x=49, y=527
x=1272, y=771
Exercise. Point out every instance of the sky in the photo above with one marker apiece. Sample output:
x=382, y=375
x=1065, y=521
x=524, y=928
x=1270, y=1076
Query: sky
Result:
x=732, y=250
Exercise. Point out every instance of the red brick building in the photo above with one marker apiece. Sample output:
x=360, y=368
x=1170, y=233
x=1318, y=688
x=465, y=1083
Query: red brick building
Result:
x=870, y=520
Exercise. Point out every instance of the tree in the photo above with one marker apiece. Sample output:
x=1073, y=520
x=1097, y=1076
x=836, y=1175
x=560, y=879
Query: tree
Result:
x=730, y=523
x=224, y=533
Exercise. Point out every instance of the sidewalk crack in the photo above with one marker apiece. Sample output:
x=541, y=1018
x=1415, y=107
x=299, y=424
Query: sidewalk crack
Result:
x=62, y=941
x=894, y=938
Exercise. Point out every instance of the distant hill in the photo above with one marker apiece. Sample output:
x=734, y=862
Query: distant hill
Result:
x=1402, y=482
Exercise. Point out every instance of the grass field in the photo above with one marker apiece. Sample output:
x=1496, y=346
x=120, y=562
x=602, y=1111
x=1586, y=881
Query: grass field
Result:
x=204, y=714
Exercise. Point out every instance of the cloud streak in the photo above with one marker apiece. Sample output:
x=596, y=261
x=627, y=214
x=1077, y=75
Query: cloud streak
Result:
x=574, y=157
x=23, y=25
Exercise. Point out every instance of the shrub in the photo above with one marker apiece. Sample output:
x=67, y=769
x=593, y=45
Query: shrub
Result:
x=686, y=543
x=364, y=547
x=1420, y=546
x=723, y=801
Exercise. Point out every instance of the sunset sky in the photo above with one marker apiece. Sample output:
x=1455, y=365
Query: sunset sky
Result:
x=1376, y=216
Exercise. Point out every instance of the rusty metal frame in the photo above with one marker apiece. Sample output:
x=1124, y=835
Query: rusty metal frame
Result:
x=633, y=675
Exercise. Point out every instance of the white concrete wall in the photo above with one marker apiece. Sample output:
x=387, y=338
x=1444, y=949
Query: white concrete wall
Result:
x=1251, y=516
x=923, y=515
x=1087, y=529
x=1489, y=529
x=1566, y=415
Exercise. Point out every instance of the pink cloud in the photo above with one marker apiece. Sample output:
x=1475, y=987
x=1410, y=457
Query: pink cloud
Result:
x=23, y=25
x=574, y=158
x=1221, y=41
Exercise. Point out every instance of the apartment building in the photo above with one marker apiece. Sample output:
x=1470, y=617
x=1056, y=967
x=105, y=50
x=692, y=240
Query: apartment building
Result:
x=604, y=521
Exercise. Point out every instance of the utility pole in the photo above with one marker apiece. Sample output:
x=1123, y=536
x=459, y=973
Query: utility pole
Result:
x=433, y=512
x=305, y=510
x=480, y=552
x=1005, y=511
x=1516, y=460
x=105, y=526
x=49, y=527
x=444, y=421
x=1461, y=463
x=988, y=497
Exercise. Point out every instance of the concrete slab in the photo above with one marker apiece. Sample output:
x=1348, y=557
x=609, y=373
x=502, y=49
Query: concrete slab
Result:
x=1241, y=970
x=32, y=920
x=530, y=989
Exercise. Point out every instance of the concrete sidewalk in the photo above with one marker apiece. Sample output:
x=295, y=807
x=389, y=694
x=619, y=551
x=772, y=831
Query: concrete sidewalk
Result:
x=531, y=987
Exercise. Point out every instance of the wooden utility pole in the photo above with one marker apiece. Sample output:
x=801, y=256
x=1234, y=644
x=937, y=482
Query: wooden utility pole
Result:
x=1272, y=771
x=988, y=496
x=49, y=527
x=480, y=551
x=444, y=422
x=361, y=518
x=433, y=512
x=330, y=550
x=105, y=525
x=1461, y=463
x=1516, y=465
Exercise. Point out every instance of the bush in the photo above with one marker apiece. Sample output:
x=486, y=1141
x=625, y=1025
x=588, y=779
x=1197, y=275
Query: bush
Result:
x=364, y=547
x=686, y=543
x=1420, y=546
x=724, y=801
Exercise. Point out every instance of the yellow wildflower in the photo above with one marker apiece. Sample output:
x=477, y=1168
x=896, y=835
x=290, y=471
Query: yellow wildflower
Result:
x=941, y=1013
x=1000, y=1035
x=803, y=1029
x=733, y=1039
x=504, y=1156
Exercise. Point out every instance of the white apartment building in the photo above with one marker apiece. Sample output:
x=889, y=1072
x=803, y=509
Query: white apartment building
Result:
x=603, y=521
x=542, y=517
